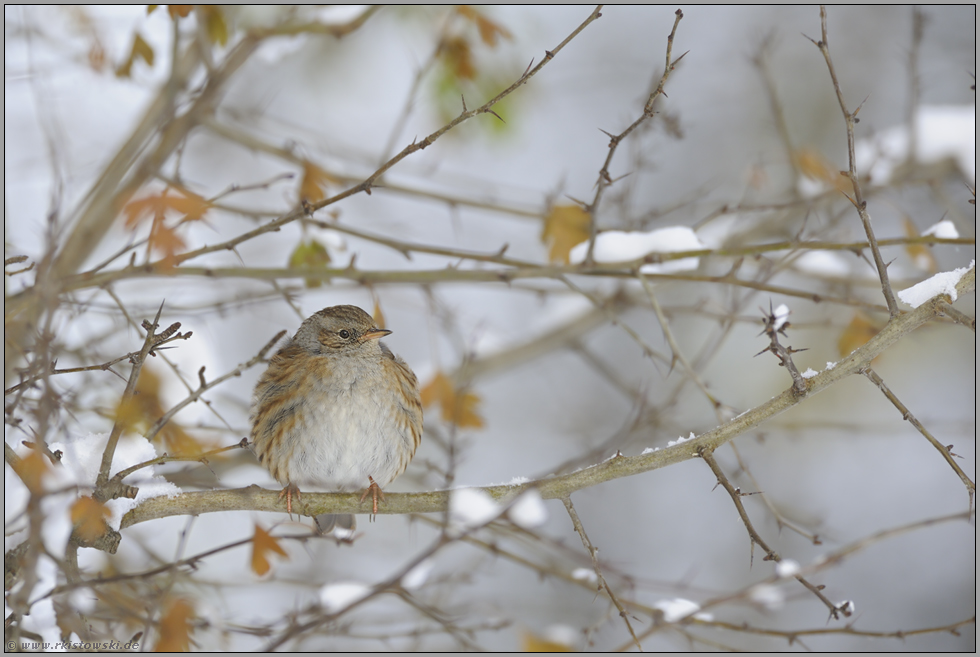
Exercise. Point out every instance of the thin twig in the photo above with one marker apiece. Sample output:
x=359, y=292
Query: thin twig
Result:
x=201, y=458
x=859, y=202
x=103, y=491
x=960, y=317
x=648, y=351
x=761, y=62
x=944, y=450
x=781, y=520
x=204, y=386
x=674, y=347
x=526, y=269
x=593, y=555
x=771, y=555
x=834, y=557
x=605, y=179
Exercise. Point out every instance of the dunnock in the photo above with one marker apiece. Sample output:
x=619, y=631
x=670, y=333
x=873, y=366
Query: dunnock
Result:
x=336, y=410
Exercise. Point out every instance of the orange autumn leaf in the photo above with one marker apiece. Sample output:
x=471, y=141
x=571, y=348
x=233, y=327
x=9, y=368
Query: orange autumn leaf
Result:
x=182, y=11
x=489, y=30
x=89, y=515
x=32, y=469
x=815, y=166
x=856, y=334
x=177, y=442
x=165, y=241
x=457, y=407
x=378, y=315
x=315, y=180
x=141, y=411
x=175, y=627
x=129, y=414
x=189, y=205
x=564, y=227
x=438, y=388
x=533, y=643
x=141, y=208
x=921, y=254
x=457, y=56
x=262, y=544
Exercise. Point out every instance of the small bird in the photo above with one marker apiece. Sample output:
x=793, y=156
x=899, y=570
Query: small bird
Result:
x=336, y=410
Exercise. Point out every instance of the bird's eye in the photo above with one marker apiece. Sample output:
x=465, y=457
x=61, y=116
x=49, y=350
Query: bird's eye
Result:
x=344, y=333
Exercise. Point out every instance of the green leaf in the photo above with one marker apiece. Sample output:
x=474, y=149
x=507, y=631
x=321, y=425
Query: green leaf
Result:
x=310, y=254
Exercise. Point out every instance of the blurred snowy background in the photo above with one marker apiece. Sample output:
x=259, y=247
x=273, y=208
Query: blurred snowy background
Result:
x=744, y=150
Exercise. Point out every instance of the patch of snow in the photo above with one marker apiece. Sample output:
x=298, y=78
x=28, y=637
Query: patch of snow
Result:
x=334, y=597
x=622, y=246
x=942, y=283
x=943, y=229
x=529, y=510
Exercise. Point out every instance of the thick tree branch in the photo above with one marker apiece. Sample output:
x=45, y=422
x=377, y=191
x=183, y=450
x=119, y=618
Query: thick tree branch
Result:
x=617, y=467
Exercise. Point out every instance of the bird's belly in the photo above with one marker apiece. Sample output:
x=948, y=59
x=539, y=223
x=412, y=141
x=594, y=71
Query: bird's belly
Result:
x=346, y=443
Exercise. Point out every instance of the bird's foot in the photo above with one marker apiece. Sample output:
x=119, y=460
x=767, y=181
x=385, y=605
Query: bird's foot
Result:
x=288, y=492
x=374, y=490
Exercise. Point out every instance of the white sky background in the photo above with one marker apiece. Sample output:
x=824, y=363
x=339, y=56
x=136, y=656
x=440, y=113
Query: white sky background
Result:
x=843, y=464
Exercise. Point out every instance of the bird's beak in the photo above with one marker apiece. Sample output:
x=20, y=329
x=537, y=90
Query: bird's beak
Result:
x=374, y=334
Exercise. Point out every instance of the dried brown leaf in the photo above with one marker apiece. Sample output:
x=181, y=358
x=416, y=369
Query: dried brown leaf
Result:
x=179, y=11
x=533, y=643
x=139, y=50
x=313, y=186
x=457, y=57
x=32, y=469
x=489, y=30
x=89, y=517
x=564, y=227
x=190, y=206
x=166, y=242
x=145, y=407
x=815, y=166
x=921, y=254
x=214, y=22
x=856, y=334
x=378, y=315
x=457, y=406
x=262, y=544
x=175, y=627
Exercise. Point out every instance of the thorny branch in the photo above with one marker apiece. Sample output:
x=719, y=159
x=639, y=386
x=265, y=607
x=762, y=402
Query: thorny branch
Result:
x=945, y=450
x=775, y=325
x=756, y=539
x=106, y=366
x=517, y=269
x=605, y=179
x=313, y=620
x=254, y=498
x=675, y=349
x=204, y=386
x=859, y=202
x=593, y=555
x=835, y=557
x=103, y=490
